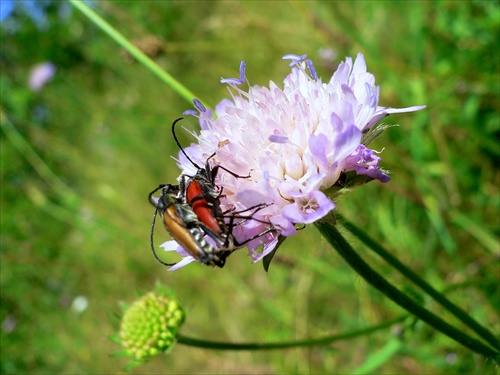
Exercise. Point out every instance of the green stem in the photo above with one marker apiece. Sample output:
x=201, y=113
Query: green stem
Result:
x=285, y=344
x=134, y=51
x=375, y=279
x=29, y=153
x=422, y=284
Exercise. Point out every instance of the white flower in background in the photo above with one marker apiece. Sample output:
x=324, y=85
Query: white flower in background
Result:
x=40, y=74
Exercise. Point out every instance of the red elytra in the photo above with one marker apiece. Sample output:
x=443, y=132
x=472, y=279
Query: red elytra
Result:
x=202, y=195
x=205, y=211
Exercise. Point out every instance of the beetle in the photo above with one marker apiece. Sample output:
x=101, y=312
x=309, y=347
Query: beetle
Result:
x=183, y=225
x=189, y=232
x=200, y=190
x=192, y=209
x=203, y=195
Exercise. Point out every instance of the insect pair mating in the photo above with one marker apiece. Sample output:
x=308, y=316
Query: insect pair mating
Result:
x=192, y=214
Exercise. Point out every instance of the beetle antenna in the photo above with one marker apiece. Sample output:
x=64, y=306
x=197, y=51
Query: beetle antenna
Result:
x=152, y=241
x=151, y=200
x=179, y=144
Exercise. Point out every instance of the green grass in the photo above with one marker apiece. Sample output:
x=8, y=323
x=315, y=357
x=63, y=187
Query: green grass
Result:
x=102, y=128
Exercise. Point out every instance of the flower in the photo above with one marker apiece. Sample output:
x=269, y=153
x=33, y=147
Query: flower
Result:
x=40, y=74
x=295, y=142
x=150, y=325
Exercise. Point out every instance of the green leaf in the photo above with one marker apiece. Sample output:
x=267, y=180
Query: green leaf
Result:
x=377, y=359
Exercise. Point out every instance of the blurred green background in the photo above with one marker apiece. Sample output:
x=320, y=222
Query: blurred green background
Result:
x=75, y=220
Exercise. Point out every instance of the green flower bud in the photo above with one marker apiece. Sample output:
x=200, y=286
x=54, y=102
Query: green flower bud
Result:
x=150, y=325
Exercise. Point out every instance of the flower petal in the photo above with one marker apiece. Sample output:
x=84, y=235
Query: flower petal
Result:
x=308, y=208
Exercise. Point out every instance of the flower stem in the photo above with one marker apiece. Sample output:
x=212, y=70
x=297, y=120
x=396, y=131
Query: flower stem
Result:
x=333, y=236
x=133, y=50
x=417, y=280
x=217, y=345
x=26, y=149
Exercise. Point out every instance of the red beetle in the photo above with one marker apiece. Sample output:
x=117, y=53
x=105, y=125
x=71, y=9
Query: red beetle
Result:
x=185, y=228
x=189, y=232
x=203, y=196
x=192, y=210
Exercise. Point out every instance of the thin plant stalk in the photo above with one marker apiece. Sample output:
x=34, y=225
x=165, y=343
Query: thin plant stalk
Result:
x=134, y=51
x=333, y=236
x=421, y=283
x=217, y=345
x=30, y=154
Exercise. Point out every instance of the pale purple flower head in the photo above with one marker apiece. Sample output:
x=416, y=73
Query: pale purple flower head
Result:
x=294, y=141
x=40, y=74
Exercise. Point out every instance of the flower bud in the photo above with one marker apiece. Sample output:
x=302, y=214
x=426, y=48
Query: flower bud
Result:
x=150, y=325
